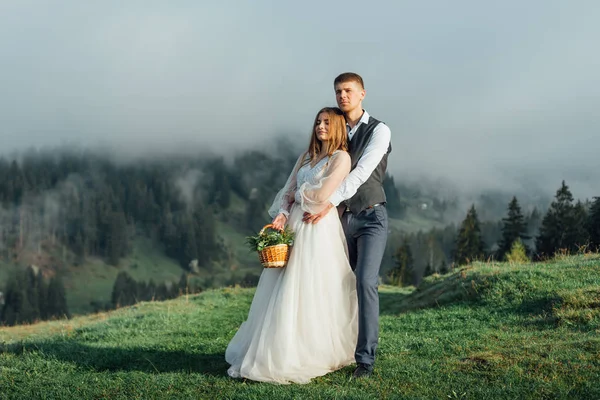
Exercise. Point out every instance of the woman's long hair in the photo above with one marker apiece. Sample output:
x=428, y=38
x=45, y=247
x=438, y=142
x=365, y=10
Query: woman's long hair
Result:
x=338, y=136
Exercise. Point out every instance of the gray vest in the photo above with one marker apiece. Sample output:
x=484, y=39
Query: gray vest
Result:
x=371, y=192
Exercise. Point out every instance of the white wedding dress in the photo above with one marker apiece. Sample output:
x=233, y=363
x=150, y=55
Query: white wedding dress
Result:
x=303, y=318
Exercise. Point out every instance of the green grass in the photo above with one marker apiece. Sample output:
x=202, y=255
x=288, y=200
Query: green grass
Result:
x=487, y=331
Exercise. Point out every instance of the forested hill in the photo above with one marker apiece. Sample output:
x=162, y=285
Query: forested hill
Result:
x=94, y=207
x=84, y=218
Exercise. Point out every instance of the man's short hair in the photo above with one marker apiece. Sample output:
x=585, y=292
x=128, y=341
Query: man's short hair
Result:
x=349, y=77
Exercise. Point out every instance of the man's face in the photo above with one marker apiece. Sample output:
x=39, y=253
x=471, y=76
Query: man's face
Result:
x=349, y=96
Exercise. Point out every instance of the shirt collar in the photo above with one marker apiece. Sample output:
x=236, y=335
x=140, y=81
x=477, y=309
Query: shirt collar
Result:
x=363, y=120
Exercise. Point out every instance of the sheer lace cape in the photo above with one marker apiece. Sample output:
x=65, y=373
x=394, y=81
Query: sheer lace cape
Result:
x=311, y=186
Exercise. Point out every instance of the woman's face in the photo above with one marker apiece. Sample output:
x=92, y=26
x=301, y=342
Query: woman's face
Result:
x=322, y=127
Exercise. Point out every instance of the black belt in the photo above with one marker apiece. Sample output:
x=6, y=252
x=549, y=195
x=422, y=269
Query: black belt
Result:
x=369, y=207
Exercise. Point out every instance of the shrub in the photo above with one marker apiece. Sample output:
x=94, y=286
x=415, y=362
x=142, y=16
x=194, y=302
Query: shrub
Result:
x=517, y=253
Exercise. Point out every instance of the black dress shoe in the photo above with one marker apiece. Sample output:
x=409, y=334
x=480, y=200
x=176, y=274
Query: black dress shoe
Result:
x=362, y=371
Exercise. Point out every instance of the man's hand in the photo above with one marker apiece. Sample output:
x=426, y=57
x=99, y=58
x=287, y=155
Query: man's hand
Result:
x=279, y=222
x=314, y=218
x=341, y=209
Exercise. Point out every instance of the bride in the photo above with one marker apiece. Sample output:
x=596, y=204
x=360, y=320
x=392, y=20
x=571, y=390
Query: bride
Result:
x=303, y=318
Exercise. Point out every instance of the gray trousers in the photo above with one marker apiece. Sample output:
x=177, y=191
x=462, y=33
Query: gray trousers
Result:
x=366, y=234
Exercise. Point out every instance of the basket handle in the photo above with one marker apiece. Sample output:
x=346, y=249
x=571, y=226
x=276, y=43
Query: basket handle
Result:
x=267, y=226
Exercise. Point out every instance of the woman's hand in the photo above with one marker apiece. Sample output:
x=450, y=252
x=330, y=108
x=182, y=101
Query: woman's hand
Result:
x=279, y=222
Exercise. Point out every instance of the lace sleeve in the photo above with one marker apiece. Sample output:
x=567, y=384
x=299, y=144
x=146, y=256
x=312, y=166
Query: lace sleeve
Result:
x=314, y=197
x=282, y=204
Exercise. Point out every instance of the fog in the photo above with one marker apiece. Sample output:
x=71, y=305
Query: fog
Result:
x=477, y=95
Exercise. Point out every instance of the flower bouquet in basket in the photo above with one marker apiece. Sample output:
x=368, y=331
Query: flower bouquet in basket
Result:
x=273, y=246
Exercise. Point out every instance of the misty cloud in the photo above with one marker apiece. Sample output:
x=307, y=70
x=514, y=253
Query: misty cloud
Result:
x=483, y=95
x=187, y=184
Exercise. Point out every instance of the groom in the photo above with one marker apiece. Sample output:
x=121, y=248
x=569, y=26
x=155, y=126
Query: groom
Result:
x=364, y=216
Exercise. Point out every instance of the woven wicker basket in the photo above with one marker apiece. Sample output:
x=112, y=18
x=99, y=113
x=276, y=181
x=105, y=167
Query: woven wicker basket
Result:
x=275, y=256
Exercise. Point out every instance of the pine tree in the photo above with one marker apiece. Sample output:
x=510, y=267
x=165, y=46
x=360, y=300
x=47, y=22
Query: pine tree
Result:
x=429, y=270
x=117, y=237
x=220, y=193
x=168, y=232
x=125, y=290
x=79, y=248
x=15, y=185
x=255, y=215
x=563, y=225
x=151, y=290
x=162, y=292
x=189, y=242
x=206, y=236
x=534, y=221
x=517, y=253
x=57, y=299
x=32, y=293
x=42, y=296
x=469, y=243
x=21, y=300
x=513, y=228
x=401, y=274
x=593, y=225
x=435, y=254
x=580, y=236
x=142, y=291
x=183, y=285
x=394, y=205
x=13, y=301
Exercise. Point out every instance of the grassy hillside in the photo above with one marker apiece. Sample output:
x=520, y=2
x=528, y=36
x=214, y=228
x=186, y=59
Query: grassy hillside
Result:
x=94, y=280
x=495, y=331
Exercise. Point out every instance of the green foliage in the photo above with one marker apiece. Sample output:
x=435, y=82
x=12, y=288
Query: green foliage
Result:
x=57, y=299
x=469, y=243
x=593, y=224
x=221, y=187
x=270, y=237
x=117, y=241
x=517, y=253
x=401, y=274
x=125, y=291
x=395, y=207
x=563, y=226
x=514, y=229
x=255, y=212
x=30, y=298
x=95, y=208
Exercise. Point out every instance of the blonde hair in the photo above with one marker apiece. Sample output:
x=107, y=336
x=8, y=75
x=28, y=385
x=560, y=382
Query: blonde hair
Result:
x=337, y=132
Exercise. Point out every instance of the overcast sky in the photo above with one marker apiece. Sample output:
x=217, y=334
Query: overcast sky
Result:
x=486, y=93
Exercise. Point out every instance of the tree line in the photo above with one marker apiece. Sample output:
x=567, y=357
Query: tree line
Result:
x=82, y=204
x=127, y=291
x=568, y=227
x=29, y=297
x=89, y=205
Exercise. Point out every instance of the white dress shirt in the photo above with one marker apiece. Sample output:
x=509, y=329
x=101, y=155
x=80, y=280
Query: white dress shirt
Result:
x=374, y=152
